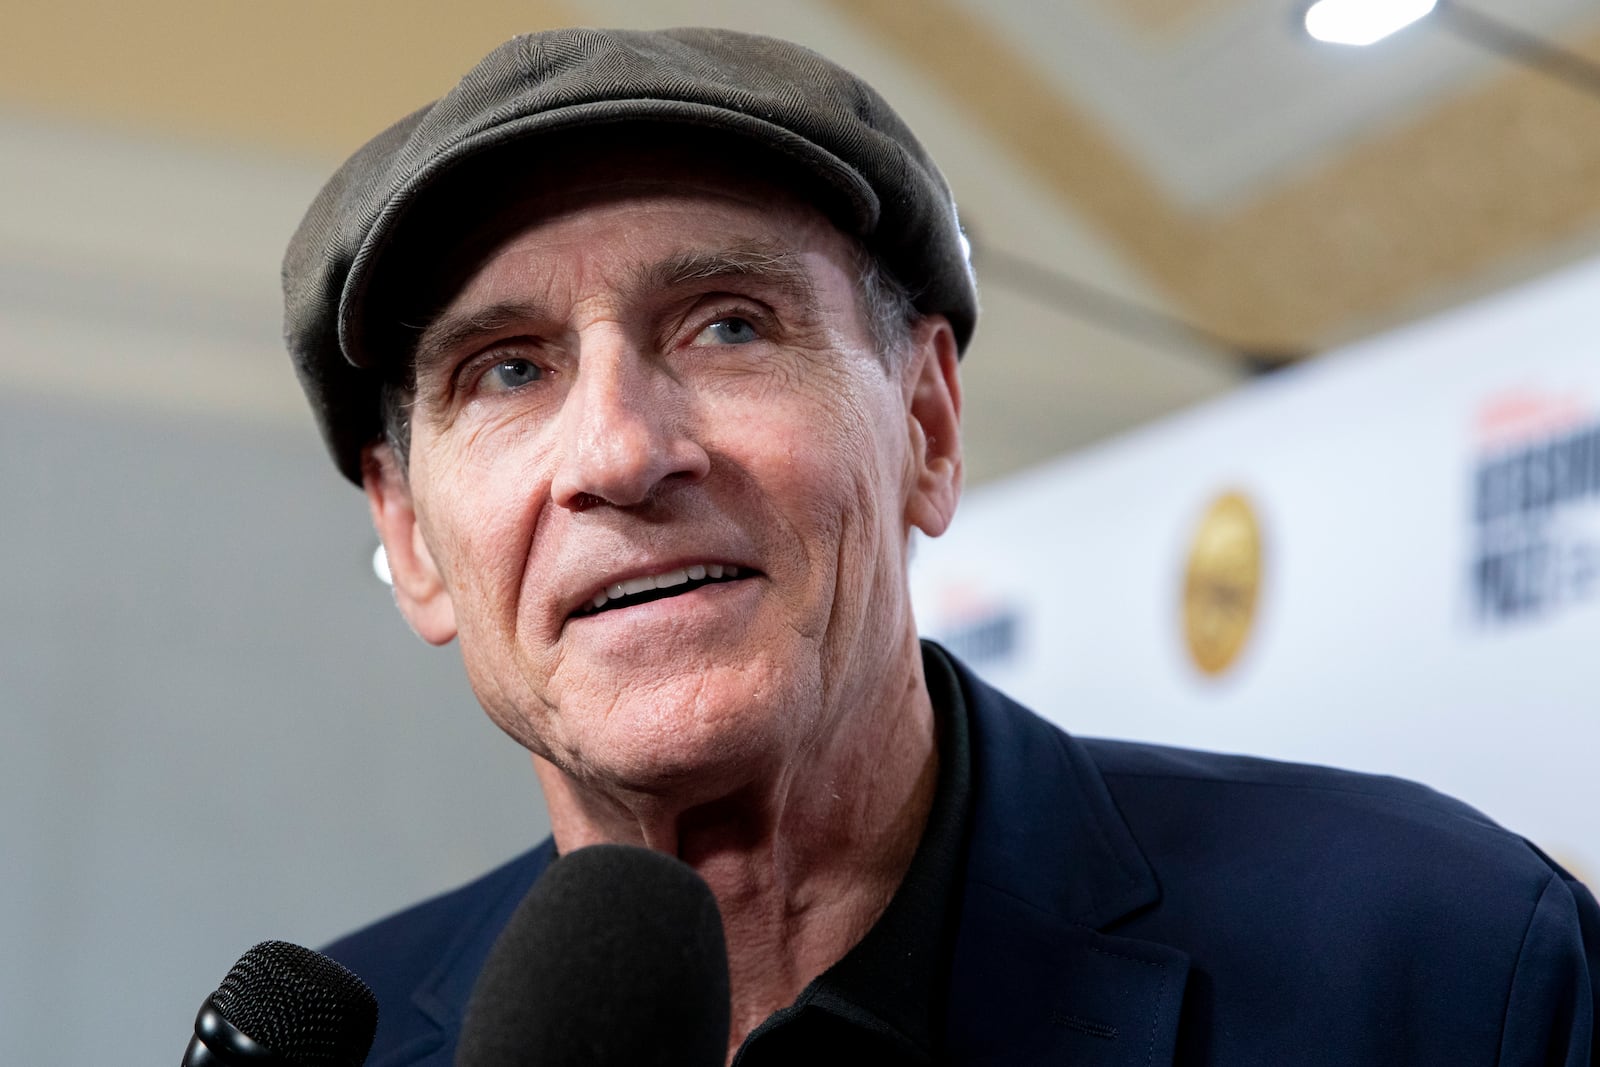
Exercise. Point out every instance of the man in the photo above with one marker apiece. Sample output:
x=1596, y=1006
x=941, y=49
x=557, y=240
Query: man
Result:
x=644, y=347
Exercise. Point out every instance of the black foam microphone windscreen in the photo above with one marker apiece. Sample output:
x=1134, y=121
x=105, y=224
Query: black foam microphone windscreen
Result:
x=284, y=1005
x=615, y=956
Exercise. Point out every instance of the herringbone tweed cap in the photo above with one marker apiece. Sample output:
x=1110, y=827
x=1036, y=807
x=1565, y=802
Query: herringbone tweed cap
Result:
x=381, y=210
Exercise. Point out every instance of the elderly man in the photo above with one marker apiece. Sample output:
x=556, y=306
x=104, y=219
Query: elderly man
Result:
x=644, y=347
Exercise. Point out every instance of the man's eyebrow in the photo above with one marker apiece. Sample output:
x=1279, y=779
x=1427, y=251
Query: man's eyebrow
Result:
x=774, y=264
x=451, y=330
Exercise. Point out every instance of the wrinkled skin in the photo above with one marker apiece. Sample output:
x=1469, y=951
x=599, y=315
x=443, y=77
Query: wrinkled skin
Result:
x=645, y=373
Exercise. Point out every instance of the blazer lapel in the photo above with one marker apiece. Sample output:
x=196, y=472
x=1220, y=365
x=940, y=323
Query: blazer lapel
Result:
x=1050, y=865
x=442, y=996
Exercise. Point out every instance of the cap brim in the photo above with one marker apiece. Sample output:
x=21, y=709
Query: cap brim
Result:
x=856, y=209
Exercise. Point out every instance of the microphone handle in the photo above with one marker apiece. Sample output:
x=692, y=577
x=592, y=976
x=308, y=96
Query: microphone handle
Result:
x=218, y=1043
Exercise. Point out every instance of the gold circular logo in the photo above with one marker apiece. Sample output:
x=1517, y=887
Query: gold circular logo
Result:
x=1222, y=583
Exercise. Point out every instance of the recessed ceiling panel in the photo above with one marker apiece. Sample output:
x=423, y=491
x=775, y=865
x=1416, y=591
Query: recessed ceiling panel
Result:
x=1236, y=95
x=1162, y=16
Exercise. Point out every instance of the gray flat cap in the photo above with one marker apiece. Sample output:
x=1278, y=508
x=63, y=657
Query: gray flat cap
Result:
x=385, y=204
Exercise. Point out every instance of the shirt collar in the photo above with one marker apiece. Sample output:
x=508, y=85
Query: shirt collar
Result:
x=894, y=981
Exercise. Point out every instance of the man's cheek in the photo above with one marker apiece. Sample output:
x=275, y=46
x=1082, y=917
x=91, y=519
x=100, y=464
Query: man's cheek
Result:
x=480, y=566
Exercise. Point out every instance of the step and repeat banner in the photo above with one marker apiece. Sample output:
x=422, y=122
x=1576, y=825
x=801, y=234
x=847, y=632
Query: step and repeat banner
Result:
x=1388, y=560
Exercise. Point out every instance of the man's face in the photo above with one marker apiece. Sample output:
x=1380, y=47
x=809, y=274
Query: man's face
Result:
x=640, y=386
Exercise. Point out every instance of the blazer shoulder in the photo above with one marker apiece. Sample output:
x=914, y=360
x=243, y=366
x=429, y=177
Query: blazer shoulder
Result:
x=421, y=962
x=1343, y=823
x=413, y=938
x=1169, y=767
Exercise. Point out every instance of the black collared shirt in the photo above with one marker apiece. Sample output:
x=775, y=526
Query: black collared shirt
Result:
x=883, y=1003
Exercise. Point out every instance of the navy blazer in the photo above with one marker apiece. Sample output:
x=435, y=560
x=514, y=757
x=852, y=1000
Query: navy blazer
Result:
x=1136, y=905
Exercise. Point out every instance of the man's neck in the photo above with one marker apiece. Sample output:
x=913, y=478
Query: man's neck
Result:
x=804, y=858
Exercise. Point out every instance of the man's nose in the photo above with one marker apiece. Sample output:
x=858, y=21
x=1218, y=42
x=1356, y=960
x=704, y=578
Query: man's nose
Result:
x=623, y=431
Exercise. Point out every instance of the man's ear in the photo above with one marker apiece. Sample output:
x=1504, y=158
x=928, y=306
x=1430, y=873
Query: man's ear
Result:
x=933, y=419
x=419, y=589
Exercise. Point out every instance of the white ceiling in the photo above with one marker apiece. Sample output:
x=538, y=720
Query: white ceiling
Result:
x=1242, y=94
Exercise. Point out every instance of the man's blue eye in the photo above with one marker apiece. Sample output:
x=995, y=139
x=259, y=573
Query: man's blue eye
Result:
x=513, y=374
x=730, y=331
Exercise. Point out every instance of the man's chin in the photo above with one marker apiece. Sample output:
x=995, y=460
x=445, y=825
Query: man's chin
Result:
x=694, y=758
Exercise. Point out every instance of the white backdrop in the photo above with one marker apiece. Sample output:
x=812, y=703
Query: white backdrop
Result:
x=1374, y=646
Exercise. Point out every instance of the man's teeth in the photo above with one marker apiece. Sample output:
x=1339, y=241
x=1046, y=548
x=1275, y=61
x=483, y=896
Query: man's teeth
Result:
x=635, y=586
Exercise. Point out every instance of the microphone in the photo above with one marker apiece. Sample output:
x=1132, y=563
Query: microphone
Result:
x=615, y=956
x=283, y=1005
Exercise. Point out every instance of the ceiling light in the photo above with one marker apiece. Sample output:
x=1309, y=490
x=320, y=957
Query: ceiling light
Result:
x=1362, y=21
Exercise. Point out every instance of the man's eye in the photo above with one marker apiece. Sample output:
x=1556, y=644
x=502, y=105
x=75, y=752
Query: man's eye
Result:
x=729, y=331
x=511, y=374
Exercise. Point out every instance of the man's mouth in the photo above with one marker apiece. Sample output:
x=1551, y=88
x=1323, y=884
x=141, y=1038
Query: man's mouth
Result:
x=650, y=587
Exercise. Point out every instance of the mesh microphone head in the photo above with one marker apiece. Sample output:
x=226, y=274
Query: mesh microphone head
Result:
x=299, y=1004
x=616, y=956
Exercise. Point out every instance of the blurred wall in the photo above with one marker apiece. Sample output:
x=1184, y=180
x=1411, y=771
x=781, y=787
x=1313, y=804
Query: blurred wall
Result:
x=217, y=728
x=1387, y=560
